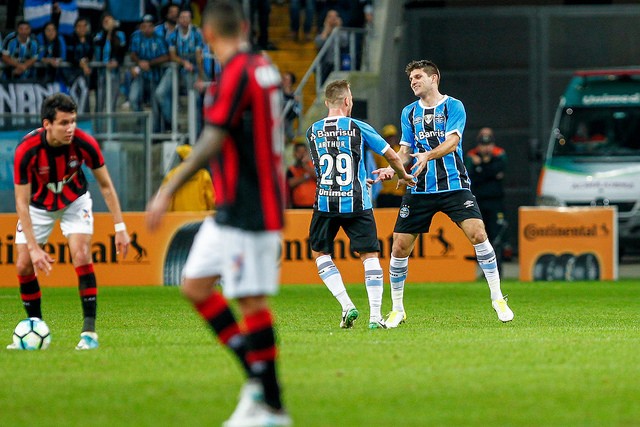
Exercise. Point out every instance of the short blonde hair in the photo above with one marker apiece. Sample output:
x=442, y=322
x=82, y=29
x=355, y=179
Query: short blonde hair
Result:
x=336, y=91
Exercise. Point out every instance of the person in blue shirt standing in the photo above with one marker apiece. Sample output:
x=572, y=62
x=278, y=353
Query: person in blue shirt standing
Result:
x=338, y=144
x=432, y=129
x=148, y=52
x=185, y=49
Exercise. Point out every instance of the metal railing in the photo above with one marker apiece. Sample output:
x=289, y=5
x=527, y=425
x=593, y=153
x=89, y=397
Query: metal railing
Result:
x=341, y=41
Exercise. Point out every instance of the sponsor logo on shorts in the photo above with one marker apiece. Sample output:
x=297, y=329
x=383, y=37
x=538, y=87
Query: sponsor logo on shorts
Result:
x=468, y=204
x=404, y=211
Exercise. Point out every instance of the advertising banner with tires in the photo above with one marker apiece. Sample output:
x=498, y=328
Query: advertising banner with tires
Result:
x=157, y=258
x=572, y=243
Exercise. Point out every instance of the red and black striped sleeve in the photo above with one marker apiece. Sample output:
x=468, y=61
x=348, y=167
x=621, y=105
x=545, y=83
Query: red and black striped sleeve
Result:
x=25, y=157
x=89, y=149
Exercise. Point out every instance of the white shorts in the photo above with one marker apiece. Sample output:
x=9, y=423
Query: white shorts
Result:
x=77, y=218
x=246, y=261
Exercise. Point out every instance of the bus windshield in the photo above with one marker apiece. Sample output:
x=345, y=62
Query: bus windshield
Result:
x=603, y=131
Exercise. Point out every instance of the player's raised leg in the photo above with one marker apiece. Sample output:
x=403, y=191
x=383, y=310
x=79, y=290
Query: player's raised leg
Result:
x=332, y=278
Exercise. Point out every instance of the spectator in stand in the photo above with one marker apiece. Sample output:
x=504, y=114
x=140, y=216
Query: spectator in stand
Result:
x=80, y=49
x=110, y=46
x=288, y=80
x=301, y=178
x=259, y=11
x=148, y=52
x=331, y=22
x=185, y=48
x=79, y=54
x=92, y=10
x=211, y=70
x=53, y=51
x=194, y=195
x=20, y=53
x=294, y=18
x=170, y=23
x=390, y=195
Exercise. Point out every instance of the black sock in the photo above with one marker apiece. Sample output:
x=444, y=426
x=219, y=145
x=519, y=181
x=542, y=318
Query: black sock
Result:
x=30, y=295
x=215, y=310
x=261, y=355
x=88, y=290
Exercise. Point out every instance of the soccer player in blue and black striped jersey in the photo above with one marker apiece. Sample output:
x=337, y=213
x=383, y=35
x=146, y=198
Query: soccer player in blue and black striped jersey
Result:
x=432, y=129
x=337, y=144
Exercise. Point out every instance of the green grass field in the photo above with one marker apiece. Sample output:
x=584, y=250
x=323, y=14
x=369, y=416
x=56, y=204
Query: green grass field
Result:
x=570, y=358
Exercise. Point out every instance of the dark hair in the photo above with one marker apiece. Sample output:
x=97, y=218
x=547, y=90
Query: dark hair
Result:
x=57, y=102
x=292, y=75
x=427, y=66
x=225, y=16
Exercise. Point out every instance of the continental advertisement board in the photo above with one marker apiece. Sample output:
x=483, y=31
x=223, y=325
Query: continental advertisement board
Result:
x=444, y=255
x=572, y=243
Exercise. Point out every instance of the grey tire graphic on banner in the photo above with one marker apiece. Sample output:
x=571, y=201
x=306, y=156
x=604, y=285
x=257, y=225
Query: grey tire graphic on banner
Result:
x=566, y=267
x=177, y=253
x=587, y=267
x=563, y=266
x=544, y=266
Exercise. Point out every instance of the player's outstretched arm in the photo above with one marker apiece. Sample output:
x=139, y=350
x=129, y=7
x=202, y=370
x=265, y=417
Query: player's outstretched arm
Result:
x=397, y=165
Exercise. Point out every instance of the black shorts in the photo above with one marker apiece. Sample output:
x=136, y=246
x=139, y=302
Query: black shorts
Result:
x=417, y=210
x=360, y=229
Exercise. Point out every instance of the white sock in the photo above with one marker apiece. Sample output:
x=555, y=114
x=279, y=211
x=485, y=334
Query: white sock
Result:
x=373, y=282
x=398, y=269
x=487, y=260
x=331, y=277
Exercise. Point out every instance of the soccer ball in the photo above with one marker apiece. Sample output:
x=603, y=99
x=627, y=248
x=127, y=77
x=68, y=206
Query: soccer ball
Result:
x=32, y=334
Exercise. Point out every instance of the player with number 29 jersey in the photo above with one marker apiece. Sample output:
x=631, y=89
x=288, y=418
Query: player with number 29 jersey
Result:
x=337, y=146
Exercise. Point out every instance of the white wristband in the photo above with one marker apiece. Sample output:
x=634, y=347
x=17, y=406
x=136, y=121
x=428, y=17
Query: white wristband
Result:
x=120, y=227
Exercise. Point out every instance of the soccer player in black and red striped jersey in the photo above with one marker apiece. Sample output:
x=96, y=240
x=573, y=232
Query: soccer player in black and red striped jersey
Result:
x=243, y=137
x=50, y=185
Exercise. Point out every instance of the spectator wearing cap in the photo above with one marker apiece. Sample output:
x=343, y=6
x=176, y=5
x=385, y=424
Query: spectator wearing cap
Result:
x=148, y=52
x=197, y=193
x=486, y=163
x=389, y=196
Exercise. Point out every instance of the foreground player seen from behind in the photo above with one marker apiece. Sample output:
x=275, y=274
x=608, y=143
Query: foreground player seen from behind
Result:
x=50, y=185
x=243, y=139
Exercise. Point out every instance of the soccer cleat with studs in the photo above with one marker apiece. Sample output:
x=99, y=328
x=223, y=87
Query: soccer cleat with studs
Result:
x=349, y=317
x=395, y=318
x=502, y=309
